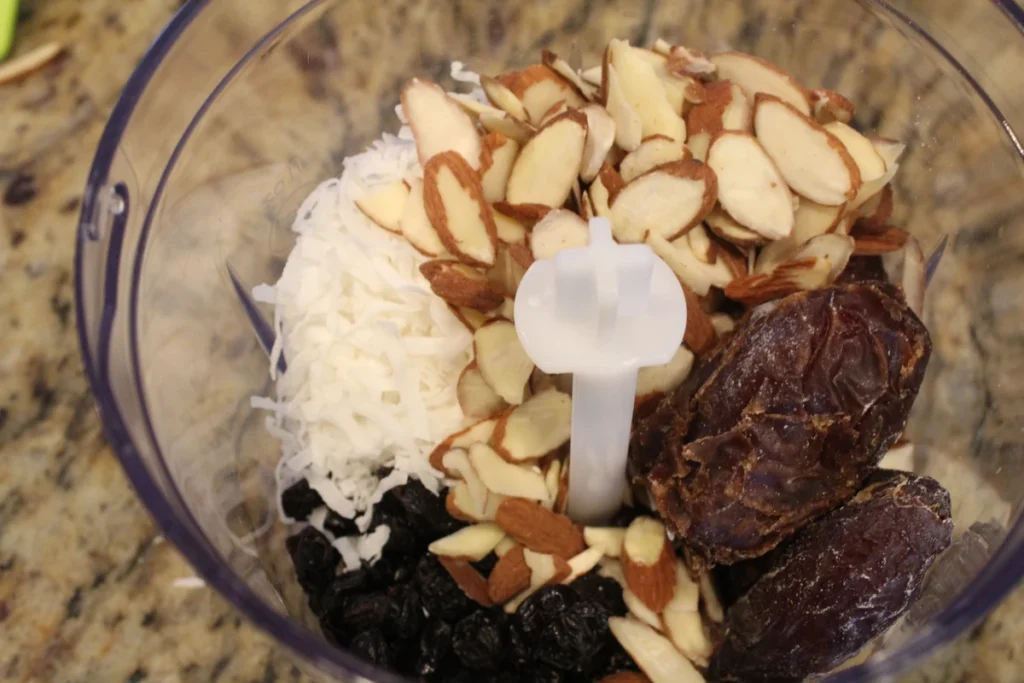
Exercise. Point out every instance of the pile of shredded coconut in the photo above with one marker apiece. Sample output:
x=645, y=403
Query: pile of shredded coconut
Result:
x=373, y=357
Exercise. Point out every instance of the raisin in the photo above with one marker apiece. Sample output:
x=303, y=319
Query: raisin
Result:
x=403, y=537
x=426, y=510
x=574, y=637
x=299, y=500
x=360, y=612
x=339, y=526
x=840, y=582
x=613, y=659
x=435, y=644
x=314, y=558
x=785, y=421
x=408, y=612
x=602, y=590
x=393, y=568
x=339, y=588
x=542, y=607
x=542, y=673
x=440, y=595
x=479, y=640
x=374, y=647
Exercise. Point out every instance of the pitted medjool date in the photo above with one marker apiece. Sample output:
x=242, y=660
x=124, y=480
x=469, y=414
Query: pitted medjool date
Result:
x=838, y=583
x=785, y=421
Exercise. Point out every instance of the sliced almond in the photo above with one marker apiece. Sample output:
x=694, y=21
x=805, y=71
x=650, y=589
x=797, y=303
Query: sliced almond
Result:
x=455, y=204
x=790, y=277
x=472, y=106
x=600, y=138
x=507, y=545
x=712, y=604
x=876, y=213
x=700, y=336
x=560, y=229
x=723, y=323
x=592, y=75
x=478, y=432
x=507, y=125
x=811, y=220
x=869, y=161
x=510, y=230
x=502, y=360
x=698, y=144
x=473, y=320
x=460, y=504
x=836, y=249
x=522, y=255
x=629, y=127
x=666, y=201
x=653, y=652
x=549, y=163
x=510, y=576
x=472, y=543
x=698, y=276
x=814, y=162
x=476, y=398
x=830, y=106
x=652, y=152
x=526, y=214
x=607, y=540
x=439, y=124
x=686, y=631
x=555, y=110
x=415, y=224
x=468, y=579
x=750, y=187
x=545, y=569
x=725, y=107
x=890, y=151
x=700, y=244
x=648, y=562
x=562, y=68
x=540, y=529
x=552, y=477
x=657, y=381
x=506, y=273
x=612, y=569
x=538, y=87
x=503, y=98
x=680, y=88
x=725, y=226
x=456, y=462
x=504, y=478
x=535, y=428
x=913, y=279
x=386, y=206
x=690, y=61
x=892, y=239
x=562, y=499
x=462, y=286
x=499, y=153
x=645, y=93
x=582, y=564
x=756, y=75
x=686, y=597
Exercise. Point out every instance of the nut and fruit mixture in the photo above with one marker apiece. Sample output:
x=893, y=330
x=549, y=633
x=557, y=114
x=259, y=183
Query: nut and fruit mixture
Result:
x=758, y=540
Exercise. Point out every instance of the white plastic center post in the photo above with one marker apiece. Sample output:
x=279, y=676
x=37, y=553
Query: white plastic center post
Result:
x=600, y=312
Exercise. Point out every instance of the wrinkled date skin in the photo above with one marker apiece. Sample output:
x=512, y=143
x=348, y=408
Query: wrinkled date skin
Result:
x=838, y=583
x=785, y=421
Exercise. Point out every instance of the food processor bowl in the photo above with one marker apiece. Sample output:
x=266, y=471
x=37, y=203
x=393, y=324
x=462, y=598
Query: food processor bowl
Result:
x=240, y=109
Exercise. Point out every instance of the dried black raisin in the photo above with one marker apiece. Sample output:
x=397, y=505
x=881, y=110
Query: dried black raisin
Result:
x=602, y=590
x=403, y=537
x=613, y=659
x=441, y=596
x=408, y=611
x=299, y=500
x=435, y=644
x=374, y=647
x=339, y=526
x=341, y=587
x=361, y=612
x=479, y=640
x=314, y=558
x=393, y=568
x=540, y=608
x=426, y=510
x=574, y=637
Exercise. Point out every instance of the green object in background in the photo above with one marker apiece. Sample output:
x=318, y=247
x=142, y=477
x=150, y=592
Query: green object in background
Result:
x=8, y=20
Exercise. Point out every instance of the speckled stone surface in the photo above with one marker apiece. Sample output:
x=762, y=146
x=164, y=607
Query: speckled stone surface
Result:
x=89, y=592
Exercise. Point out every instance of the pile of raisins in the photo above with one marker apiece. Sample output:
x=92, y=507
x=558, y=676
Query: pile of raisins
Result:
x=406, y=614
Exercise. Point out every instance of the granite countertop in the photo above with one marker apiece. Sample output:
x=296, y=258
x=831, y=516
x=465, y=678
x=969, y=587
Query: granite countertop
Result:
x=89, y=592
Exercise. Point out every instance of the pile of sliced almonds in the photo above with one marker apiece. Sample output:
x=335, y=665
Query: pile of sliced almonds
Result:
x=742, y=180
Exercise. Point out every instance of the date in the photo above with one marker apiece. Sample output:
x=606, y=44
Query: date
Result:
x=785, y=421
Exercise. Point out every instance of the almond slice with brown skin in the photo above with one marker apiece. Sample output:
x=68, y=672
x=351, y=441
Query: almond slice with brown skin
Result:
x=415, y=224
x=876, y=244
x=701, y=245
x=836, y=249
x=890, y=151
x=460, y=504
x=537, y=427
x=655, y=151
x=507, y=272
x=869, y=161
x=526, y=214
x=725, y=226
x=814, y=162
x=557, y=108
x=812, y=219
x=510, y=230
x=750, y=186
x=653, y=652
x=607, y=184
x=460, y=285
x=593, y=76
x=690, y=271
x=539, y=529
x=549, y=163
x=510, y=576
x=475, y=396
x=439, y=124
x=503, y=98
x=473, y=320
x=830, y=106
x=506, y=479
x=499, y=154
x=472, y=106
x=456, y=462
x=562, y=68
x=560, y=229
x=725, y=107
x=756, y=75
x=612, y=569
x=648, y=562
x=386, y=205
x=502, y=361
x=692, y=62
x=545, y=570
x=667, y=201
x=681, y=88
x=790, y=277
x=600, y=138
x=538, y=87
x=455, y=204
x=913, y=278
x=645, y=93
x=507, y=125
x=655, y=382
x=608, y=540
x=876, y=213
x=478, y=432
x=686, y=631
x=583, y=563
x=629, y=127
x=468, y=580
x=723, y=324
x=472, y=543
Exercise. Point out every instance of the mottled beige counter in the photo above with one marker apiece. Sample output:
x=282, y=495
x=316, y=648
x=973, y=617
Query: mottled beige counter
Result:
x=89, y=592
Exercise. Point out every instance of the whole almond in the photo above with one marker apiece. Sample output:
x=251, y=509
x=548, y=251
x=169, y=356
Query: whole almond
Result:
x=649, y=563
x=468, y=579
x=509, y=577
x=540, y=529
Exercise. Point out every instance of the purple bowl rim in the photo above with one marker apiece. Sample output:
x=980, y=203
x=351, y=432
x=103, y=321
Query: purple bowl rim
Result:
x=998, y=577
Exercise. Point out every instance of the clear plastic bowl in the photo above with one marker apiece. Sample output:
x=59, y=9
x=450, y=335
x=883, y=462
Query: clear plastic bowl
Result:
x=240, y=108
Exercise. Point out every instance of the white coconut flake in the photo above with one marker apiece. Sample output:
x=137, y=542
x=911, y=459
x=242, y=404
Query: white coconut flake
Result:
x=373, y=358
